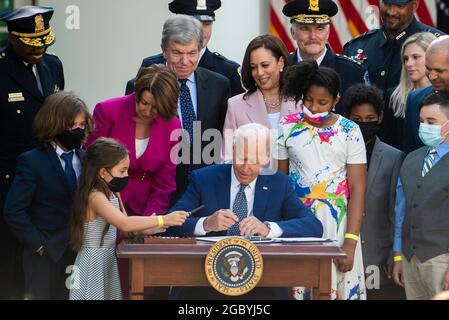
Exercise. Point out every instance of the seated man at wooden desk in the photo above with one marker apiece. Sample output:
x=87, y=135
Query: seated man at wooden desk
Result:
x=262, y=205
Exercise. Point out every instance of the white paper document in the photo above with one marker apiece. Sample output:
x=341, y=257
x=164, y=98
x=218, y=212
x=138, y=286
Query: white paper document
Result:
x=268, y=240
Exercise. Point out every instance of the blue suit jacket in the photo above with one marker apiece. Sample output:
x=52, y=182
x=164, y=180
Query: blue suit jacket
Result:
x=275, y=201
x=411, y=140
x=37, y=208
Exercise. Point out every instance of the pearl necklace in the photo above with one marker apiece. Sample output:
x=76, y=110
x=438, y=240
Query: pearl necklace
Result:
x=273, y=106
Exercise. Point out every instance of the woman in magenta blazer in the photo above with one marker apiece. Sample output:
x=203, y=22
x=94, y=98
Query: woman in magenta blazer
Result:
x=265, y=59
x=144, y=122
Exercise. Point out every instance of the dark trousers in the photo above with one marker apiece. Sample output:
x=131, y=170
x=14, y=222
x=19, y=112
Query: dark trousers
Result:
x=44, y=278
x=11, y=272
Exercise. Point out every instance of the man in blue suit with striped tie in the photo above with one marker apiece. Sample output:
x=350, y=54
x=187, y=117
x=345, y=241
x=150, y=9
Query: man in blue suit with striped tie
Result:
x=421, y=241
x=243, y=200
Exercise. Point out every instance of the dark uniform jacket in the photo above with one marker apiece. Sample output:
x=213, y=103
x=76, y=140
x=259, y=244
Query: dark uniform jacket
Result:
x=349, y=71
x=20, y=101
x=210, y=61
x=381, y=55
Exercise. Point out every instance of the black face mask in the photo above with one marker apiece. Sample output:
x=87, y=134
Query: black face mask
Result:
x=117, y=184
x=71, y=139
x=369, y=129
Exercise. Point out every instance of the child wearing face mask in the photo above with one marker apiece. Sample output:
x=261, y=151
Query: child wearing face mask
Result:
x=421, y=241
x=364, y=105
x=325, y=156
x=38, y=204
x=97, y=213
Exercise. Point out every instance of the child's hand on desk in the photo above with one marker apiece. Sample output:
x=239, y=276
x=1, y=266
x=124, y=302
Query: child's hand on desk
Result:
x=176, y=218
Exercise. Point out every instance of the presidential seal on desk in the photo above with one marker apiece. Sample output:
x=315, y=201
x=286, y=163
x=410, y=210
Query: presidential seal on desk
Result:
x=234, y=266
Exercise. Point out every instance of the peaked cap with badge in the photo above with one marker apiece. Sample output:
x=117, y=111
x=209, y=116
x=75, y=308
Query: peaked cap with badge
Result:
x=31, y=25
x=310, y=11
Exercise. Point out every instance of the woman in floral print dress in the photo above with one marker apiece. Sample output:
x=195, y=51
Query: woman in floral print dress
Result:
x=324, y=154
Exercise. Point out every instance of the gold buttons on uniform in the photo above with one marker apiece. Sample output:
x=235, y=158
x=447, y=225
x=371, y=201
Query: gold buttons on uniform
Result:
x=383, y=73
x=19, y=111
x=8, y=177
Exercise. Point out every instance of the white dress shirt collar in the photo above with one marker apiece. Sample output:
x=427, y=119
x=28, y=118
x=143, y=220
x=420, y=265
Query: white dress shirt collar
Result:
x=319, y=60
x=202, y=52
x=235, y=184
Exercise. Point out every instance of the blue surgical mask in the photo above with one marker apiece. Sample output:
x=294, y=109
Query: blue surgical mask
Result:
x=430, y=134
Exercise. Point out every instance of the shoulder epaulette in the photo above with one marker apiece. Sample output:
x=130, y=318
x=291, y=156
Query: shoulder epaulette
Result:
x=223, y=58
x=360, y=36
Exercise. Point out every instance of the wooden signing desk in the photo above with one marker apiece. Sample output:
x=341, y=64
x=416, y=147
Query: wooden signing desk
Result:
x=182, y=265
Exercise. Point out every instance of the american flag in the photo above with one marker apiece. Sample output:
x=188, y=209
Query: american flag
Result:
x=354, y=17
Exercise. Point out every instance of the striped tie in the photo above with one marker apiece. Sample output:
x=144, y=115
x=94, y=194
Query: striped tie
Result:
x=240, y=208
x=429, y=161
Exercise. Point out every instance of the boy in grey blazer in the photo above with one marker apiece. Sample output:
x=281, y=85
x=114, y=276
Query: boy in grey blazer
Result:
x=364, y=105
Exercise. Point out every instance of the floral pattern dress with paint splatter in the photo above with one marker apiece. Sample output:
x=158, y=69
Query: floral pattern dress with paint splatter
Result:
x=318, y=159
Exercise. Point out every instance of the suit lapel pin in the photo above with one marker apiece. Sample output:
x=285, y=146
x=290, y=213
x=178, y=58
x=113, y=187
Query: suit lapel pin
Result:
x=265, y=188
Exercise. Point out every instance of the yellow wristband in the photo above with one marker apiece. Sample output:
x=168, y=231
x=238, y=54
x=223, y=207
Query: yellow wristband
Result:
x=351, y=236
x=397, y=259
x=160, y=221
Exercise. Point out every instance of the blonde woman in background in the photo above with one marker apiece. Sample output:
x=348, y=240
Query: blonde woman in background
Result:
x=413, y=77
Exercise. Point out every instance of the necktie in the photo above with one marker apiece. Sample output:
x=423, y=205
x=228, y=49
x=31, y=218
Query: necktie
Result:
x=429, y=161
x=68, y=170
x=187, y=111
x=30, y=68
x=240, y=208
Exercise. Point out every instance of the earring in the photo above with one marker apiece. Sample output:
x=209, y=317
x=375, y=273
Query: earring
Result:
x=282, y=70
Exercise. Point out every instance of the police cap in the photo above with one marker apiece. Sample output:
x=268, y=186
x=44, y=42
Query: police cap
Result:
x=31, y=24
x=310, y=11
x=203, y=10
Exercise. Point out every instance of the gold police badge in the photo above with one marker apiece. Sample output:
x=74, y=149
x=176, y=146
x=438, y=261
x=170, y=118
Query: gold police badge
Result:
x=234, y=266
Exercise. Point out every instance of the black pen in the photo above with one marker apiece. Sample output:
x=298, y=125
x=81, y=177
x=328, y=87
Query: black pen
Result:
x=190, y=213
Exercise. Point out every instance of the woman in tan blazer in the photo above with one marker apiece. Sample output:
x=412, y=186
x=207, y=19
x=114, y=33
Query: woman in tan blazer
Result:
x=265, y=59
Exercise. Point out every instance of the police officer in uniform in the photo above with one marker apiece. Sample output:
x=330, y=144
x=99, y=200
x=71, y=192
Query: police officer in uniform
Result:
x=27, y=76
x=204, y=11
x=310, y=28
x=379, y=50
